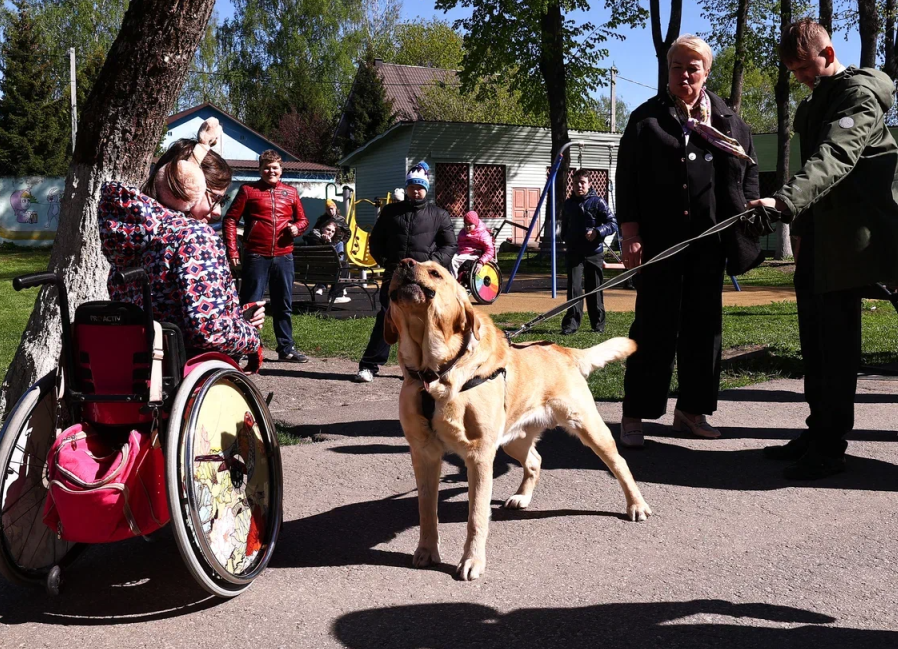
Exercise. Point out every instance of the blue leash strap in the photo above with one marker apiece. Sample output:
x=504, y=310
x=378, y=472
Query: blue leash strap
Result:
x=627, y=274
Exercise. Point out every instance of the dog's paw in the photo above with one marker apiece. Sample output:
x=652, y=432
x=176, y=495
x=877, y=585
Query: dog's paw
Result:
x=426, y=556
x=639, y=511
x=470, y=568
x=518, y=501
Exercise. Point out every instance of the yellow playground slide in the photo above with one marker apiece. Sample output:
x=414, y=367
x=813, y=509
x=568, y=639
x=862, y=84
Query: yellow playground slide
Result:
x=357, y=247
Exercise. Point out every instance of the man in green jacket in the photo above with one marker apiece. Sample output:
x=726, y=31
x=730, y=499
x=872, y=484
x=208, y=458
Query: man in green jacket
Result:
x=843, y=205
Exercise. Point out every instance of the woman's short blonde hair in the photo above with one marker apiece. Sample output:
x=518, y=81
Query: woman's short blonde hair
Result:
x=694, y=44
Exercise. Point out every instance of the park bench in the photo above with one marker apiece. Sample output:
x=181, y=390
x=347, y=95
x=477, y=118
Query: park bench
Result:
x=321, y=265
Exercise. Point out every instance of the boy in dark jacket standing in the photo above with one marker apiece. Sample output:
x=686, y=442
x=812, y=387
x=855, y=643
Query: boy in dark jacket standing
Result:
x=586, y=220
x=843, y=205
x=413, y=228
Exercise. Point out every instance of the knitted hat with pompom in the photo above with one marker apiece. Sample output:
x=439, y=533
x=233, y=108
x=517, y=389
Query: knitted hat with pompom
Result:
x=417, y=175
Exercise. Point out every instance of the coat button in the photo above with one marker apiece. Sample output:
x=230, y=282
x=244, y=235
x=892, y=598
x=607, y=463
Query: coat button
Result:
x=682, y=159
x=685, y=186
x=685, y=212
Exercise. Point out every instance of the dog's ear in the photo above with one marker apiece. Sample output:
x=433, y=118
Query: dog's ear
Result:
x=391, y=334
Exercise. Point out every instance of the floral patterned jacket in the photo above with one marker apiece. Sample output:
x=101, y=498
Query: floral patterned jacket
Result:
x=191, y=283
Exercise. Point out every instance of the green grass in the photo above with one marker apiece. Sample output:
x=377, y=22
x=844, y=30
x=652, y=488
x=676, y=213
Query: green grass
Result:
x=774, y=325
x=15, y=308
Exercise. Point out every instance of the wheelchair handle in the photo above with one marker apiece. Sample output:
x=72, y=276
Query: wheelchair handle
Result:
x=130, y=274
x=35, y=279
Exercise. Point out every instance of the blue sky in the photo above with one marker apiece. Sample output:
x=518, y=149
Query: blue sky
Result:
x=634, y=57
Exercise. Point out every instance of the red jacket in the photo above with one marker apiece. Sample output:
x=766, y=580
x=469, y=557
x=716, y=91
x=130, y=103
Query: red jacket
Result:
x=267, y=213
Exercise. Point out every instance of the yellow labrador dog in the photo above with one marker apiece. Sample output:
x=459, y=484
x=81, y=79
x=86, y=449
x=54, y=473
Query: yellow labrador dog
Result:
x=466, y=390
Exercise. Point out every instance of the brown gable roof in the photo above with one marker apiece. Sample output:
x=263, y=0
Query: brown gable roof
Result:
x=405, y=83
x=286, y=166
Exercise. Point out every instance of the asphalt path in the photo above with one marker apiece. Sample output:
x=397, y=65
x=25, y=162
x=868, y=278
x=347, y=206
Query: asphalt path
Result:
x=733, y=557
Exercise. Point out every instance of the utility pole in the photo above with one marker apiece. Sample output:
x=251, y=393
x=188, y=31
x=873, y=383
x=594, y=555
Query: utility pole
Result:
x=613, y=99
x=74, y=96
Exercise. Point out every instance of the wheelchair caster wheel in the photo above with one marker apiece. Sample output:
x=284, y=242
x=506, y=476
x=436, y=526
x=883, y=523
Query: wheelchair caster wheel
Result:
x=54, y=581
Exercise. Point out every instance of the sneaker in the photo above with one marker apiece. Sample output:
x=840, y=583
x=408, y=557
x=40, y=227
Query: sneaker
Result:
x=813, y=466
x=342, y=300
x=599, y=328
x=566, y=331
x=364, y=376
x=319, y=291
x=293, y=356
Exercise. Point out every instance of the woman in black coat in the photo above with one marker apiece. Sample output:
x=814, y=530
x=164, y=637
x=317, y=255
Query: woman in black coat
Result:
x=686, y=162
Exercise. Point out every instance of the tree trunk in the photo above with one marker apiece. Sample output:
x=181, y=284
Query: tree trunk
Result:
x=781, y=93
x=551, y=66
x=826, y=15
x=890, y=66
x=118, y=132
x=868, y=26
x=739, y=57
x=663, y=45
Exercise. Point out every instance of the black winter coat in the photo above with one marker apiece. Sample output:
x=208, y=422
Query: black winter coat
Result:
x=676, y=190
x=580, y=214
x=420, y=232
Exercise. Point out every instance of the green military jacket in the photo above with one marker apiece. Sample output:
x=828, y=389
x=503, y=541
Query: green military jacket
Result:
x=846, y=192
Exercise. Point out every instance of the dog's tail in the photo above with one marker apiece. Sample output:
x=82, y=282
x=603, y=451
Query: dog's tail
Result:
x=614, y=349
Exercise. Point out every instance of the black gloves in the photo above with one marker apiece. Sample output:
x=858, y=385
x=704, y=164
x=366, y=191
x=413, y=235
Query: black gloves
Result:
x=760, y=222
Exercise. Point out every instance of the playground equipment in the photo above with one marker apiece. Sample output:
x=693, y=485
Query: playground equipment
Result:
x=357, y=247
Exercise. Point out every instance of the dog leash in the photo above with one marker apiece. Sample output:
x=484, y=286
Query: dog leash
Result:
x=623, y=277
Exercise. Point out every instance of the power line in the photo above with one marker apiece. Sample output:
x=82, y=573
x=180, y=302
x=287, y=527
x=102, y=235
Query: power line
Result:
x=636, y=82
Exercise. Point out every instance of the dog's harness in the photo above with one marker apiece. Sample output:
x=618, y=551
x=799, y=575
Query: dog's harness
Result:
x=428, y=404
x=427, y=376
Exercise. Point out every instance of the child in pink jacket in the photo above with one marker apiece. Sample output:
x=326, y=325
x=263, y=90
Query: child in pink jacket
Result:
x=474, y=242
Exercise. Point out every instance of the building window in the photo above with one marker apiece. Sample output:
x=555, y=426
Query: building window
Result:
x=598, y=180
x=452, y=188
x=489, y=191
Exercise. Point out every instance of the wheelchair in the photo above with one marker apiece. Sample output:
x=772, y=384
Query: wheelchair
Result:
x=225, y=524
x=483, y=281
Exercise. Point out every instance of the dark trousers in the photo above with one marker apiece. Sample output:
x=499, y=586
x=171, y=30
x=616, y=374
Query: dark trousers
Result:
x=378, y=351
x=277, y=274
x=678, y=316
x=829, y=327
x=580, y=269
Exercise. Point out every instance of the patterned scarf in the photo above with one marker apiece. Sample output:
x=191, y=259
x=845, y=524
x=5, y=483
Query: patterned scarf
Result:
x=698, y=120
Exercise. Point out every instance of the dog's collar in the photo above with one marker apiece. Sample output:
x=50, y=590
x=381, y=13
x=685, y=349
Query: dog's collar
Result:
x=428, y=404
x=428, y=376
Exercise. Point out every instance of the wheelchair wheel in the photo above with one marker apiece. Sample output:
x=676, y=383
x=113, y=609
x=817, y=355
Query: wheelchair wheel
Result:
x=484, y=282
x=224, y=478
x=29, y=550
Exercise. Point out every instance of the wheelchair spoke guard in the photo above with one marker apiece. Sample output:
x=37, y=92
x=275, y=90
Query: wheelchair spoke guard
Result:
x=484, y=283
x=224, y=478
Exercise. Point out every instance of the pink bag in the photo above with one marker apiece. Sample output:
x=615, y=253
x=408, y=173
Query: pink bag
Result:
x=98, y=493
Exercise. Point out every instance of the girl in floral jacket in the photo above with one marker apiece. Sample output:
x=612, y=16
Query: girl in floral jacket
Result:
x=189, y=276
x=474, y=242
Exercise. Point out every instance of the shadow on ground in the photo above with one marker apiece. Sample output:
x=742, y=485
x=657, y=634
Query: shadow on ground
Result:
x=649, y=624
x=120, y=583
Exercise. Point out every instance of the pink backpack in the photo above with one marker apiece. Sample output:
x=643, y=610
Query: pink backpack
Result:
x=99, y=493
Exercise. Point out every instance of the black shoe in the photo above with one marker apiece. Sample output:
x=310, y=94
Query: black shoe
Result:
x=813, y=466
x=792, y=451
x=293, y=356
x=568, y=332
x=600, y=328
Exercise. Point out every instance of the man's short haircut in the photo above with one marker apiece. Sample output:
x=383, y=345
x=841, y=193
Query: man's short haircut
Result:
x=268, y=157
x=802, y=40
x=580, y=173
x=693, y=44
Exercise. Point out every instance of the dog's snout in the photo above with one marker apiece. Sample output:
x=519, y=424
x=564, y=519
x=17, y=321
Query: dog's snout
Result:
x=408, y=264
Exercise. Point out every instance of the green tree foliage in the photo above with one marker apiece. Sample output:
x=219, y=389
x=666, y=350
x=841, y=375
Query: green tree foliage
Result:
x=34, y=119
x=205, y=83
x=368, y=112
x=432, y=44
x=758, y=101
x=498, y=41
x=280, y=56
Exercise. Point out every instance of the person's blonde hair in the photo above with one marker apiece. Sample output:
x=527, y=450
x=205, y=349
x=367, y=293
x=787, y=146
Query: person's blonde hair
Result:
x=692, y=43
